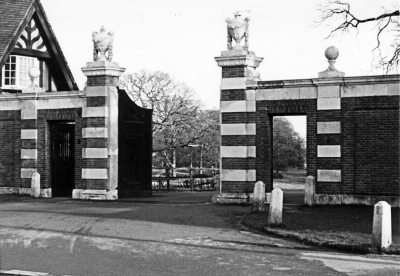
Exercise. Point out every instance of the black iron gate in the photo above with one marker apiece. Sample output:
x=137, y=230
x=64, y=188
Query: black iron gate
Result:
x=62, y=161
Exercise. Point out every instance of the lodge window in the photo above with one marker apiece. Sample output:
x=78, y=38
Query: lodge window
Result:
x=15, y=72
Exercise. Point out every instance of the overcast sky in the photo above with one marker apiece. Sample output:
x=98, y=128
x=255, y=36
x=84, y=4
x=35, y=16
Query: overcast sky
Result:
x=182, y=37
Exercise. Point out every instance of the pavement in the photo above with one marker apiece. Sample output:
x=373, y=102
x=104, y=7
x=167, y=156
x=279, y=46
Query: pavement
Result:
x=175, y=233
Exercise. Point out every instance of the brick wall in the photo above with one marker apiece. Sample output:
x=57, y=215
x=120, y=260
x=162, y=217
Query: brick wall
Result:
x=10, y=149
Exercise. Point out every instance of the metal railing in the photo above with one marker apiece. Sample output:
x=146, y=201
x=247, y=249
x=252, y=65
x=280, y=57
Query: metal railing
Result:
x=179, y=183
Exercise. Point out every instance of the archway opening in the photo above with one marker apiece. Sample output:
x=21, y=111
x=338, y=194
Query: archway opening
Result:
x=289, y=153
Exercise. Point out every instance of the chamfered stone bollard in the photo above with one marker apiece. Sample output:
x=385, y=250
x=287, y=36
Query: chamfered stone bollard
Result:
x=309, y=193
x=275, y=207
x=258, y=197
x=35, y=185
x=382, y=225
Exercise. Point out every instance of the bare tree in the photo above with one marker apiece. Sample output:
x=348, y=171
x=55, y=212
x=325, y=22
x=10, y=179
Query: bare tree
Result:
x=177, y=117
x=385, y=23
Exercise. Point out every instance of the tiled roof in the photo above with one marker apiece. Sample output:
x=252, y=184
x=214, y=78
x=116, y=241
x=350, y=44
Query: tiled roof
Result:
x=12, y=14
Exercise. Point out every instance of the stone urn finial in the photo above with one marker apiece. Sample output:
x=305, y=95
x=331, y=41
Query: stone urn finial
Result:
x=238, y=28
x=102, y=42
x=33, y=74
x=331, y=53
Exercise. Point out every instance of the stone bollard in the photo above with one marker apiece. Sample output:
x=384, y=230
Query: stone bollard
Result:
x=275, y=207
x=35, y=185
x=382, y=225
x=309, y=193
x=258, y=197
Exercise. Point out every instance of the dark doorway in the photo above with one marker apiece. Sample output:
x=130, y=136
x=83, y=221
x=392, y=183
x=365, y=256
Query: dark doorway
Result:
x=134, y=172
x=62, y=158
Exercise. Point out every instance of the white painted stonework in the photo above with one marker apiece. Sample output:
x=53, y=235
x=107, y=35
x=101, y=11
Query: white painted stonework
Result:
x=112, y=102
x=233, y=106
x=329, y=175
x=238, y=129
x=250, y=95
x=329, y=151
x=94, y=173
x=27, y=173
x=94, y=153
x=95, y=132
x=29, y=153
x=100, y=91
x=329, y=91
x=28, y=110
x=29, y=134
x=9, y=104
x=238, y=106
x=238, y=151
x=101, y=111
x=233, y=83
x=61, y=103
x=328, y=103
x=290, y=93
x=370, y=90
x=382, y=225
x=238, y=175
x=251, y=106
x=328, y=127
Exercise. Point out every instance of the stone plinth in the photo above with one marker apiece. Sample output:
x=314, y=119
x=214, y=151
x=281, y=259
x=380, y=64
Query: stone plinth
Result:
x=382, y=225
x=102, y=73
x=247, y=60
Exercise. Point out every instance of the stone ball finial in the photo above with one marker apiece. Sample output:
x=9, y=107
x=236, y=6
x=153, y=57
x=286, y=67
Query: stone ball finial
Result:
x=331, y=53
x=33, y=72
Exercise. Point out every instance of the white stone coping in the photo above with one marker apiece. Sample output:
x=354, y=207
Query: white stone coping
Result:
x=29, y=134
x=94, y=153
x=95, y=173
x=231, y=60
x=349, y=82
x=102, y=70
x=238, y=129
x=45, y=95
x=238, y=151
x=292, y=93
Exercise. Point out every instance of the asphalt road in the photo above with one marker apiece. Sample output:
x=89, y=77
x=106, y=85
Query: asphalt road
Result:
x=168, y=234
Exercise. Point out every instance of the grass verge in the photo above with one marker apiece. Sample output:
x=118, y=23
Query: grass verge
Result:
x=346, y=228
